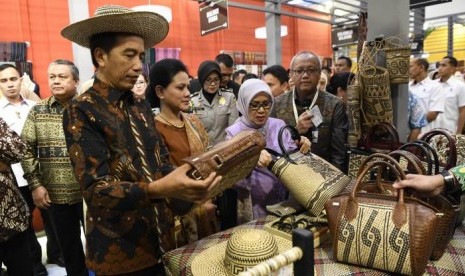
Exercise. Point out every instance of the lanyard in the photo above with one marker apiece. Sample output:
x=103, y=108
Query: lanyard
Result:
x=294, y=107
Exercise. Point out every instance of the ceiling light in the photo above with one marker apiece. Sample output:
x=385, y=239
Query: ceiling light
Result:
x=260, y=33
x=162, y=10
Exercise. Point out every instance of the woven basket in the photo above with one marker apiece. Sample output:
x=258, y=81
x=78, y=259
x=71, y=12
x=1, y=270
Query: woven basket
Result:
x=376, y=96
x=397, y=61
x=353, y=110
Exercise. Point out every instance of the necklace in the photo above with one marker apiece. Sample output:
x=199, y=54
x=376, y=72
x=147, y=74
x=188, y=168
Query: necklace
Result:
x=171, y=123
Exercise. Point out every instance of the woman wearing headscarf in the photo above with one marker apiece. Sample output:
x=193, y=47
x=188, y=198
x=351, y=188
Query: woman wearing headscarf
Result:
x=262, y=188
x=216, y=109
x=184, y=135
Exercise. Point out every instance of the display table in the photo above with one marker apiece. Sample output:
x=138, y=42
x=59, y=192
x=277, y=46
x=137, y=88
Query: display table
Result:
x=178, y=261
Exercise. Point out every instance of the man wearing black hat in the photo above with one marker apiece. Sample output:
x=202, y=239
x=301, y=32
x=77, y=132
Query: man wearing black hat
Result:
x=119, y=159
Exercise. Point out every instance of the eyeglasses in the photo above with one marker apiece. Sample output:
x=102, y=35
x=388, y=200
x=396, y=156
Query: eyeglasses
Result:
x=212, y=81
x=308, y=71
x=256, y=106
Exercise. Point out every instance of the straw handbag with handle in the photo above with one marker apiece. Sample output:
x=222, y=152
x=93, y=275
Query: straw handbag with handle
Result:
x=385, y=232
x=233, y=159
x=310, y=179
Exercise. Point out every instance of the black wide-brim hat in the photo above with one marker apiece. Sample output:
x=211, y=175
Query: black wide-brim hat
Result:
x=152, y=27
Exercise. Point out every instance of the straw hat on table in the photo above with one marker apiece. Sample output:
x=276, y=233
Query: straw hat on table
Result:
x=152, y=27
x=244, y=249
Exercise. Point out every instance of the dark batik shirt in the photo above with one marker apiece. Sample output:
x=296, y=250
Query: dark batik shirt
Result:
x=13, y=212
x=120, y=234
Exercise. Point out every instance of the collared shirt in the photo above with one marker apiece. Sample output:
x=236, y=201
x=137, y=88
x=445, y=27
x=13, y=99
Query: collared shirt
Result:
x=109, y=163
x=47, y=161
x=428, y=94
x=453, y=91
x=416, y=111
x=15, y=116
x=217, y=115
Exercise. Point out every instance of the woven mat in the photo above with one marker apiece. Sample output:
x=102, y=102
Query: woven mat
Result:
x=178, y=261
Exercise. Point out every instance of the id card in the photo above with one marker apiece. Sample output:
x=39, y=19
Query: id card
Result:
x=317, y=119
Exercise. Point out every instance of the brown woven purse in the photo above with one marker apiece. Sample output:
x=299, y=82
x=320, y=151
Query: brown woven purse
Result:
x=447, y=209
x=379, y=231
x=233, y=159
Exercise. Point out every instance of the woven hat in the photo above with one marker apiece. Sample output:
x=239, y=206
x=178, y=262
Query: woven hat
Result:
x=151, y=26
x=244, y=249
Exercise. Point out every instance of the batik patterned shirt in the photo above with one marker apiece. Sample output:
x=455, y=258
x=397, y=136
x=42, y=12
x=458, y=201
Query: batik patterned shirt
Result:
x=114, y=163
x=14, y=214
x=47, y=161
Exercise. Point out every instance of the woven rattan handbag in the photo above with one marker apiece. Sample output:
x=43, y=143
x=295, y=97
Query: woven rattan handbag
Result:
x=427, y=154
x=310, y=179
x=445, y=145
x=389, y=233
x=446, y=206
x=233, y=159
x=450, y=149
x=382, y=137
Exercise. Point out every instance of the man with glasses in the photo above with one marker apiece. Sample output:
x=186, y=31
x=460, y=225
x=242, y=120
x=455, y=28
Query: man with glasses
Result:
x=318, y=115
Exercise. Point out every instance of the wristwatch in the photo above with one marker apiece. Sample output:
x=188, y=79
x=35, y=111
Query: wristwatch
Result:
x=451, y=185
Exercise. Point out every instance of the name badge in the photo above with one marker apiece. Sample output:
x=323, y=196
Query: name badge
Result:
x=222, y=101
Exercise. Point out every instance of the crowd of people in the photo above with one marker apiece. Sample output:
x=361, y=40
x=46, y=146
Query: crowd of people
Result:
x=118, y=146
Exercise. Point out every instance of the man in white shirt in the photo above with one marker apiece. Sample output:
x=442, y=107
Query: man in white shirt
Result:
x=453, y=90
x=426, y=91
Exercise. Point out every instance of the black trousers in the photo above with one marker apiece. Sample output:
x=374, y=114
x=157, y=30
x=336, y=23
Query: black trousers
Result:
x=15, y=254
x=66, y=220
x=36, y=250
x=53, y=248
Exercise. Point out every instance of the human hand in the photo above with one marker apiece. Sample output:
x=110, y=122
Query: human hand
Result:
x=178, y=185
x=304, y=144
x=41, y=197
x=265, y=159
x=304, y=122
x=428, y=185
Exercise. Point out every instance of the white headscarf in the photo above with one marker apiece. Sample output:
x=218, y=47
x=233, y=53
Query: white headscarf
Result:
x=249, y=89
